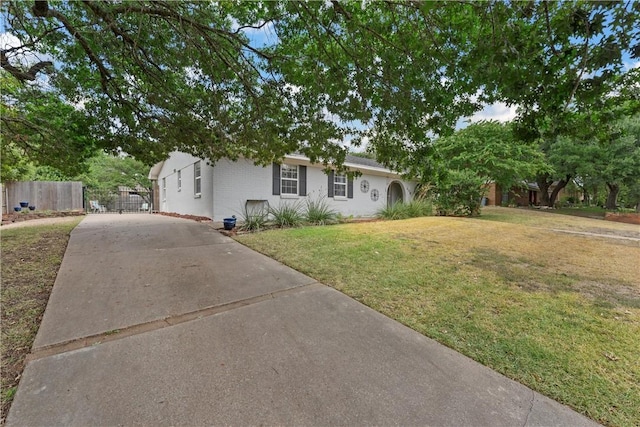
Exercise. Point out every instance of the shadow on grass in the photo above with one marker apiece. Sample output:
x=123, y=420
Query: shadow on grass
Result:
x=532, y=276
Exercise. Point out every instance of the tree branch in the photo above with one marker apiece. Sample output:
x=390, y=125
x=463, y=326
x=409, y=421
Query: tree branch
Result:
x=21, y=75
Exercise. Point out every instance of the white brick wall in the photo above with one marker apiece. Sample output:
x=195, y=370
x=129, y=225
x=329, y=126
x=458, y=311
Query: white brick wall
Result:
x=237, y=182
x=228, y=185
x=185, y=201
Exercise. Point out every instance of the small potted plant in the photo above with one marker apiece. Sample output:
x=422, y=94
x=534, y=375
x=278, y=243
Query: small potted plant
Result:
x=229, y=223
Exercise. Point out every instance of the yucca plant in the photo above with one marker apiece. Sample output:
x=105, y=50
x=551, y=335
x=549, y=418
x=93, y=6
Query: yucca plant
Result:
x=394, y=211
x=419, y=207
x=287, y=215
x=318, y=212
x=253, y=220
x=413, y=209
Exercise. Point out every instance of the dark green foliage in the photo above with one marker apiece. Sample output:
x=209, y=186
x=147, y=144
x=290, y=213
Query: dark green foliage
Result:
x=262, y=79
x=39, y=128
x=460, y=194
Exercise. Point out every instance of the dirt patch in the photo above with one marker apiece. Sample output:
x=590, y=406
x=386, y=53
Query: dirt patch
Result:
x=629, y=218
x=617, y=294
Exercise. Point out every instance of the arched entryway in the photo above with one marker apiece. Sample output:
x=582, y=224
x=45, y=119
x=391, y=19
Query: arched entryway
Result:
x=395, y=193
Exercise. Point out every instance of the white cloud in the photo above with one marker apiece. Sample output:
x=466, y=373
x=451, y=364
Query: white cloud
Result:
x=24, y=57
x=8, y=40
x=498, y=111
x=631, y=65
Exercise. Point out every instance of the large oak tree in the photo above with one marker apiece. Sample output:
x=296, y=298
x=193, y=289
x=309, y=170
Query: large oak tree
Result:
x=199, y=76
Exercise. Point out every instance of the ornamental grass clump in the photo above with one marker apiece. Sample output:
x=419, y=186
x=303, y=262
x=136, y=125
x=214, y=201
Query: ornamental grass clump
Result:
x=287, y=215
x=413, y=209
x=254, y=220
x=318, y=212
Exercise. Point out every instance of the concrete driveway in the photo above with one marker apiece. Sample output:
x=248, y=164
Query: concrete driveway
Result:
x=163, y=321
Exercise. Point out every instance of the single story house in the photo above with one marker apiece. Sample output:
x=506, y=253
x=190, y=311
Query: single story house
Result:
x=526, y=195
x=188, y=185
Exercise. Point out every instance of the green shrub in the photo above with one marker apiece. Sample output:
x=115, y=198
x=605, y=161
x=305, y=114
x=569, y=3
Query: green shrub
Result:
x=413, y=209
x=253, y=220
x=318, y=212
x=287, y=215
x=393, y=212
x=460, y=194
x=419, y=207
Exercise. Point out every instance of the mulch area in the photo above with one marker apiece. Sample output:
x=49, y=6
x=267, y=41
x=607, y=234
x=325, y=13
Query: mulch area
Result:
x=191, y=217
x=13, y=217
x=629, y=218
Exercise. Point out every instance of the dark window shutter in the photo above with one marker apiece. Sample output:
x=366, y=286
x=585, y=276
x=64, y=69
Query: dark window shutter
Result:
x=276, y=179
x=302, y=180
x=349, y=188
x=330, y=184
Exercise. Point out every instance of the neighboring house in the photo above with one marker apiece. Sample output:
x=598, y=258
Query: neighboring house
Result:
x=187, y=185
x=527, y=195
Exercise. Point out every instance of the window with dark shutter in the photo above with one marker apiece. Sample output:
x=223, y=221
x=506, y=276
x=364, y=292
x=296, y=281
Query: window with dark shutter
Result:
x=276, y=179
x=339, y=185
x=289, y=179
x=302, y=180
x=330, y=184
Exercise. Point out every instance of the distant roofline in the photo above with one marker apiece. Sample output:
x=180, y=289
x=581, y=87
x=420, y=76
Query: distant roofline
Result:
x=361, y=164
x=352, y=162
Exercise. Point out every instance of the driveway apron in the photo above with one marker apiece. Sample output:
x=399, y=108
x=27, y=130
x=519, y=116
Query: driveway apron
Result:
x=164, y=321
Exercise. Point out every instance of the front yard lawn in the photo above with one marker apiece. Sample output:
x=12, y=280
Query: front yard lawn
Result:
x=557, y=312
x=31, y=257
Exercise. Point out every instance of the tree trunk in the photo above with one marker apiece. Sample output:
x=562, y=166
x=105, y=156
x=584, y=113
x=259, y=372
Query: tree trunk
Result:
x=612, y=197
x=543, y=184
x=585, y=197
x=554, y=194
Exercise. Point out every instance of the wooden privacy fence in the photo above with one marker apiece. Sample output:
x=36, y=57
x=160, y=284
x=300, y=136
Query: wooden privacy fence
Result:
x=44, y=195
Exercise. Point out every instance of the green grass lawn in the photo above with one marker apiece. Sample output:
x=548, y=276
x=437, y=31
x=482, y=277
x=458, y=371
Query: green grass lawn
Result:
x=557, y=312
x=31, y=257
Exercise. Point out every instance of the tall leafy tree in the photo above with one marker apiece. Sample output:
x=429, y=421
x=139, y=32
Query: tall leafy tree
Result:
x=39, y=127
x=616, y=159
x=163, y=75
x=489, y=149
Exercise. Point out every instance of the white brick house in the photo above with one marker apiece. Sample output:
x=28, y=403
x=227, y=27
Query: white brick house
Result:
x=188, y=185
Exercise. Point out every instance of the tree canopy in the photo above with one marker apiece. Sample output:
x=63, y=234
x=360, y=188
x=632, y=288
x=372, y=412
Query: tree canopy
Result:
x=262, y=79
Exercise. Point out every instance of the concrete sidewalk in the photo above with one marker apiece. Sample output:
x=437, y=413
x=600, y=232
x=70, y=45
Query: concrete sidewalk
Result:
x=163, y=321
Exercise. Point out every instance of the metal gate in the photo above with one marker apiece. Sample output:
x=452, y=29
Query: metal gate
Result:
x=122, y=200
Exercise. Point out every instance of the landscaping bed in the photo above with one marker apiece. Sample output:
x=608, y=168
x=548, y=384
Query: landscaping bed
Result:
x=12, y=217
x=629, y=218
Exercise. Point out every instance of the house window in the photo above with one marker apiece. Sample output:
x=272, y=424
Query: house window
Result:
x=340, y=185
x=179, y=180
x=289, y=179
x=197, y=179
x=164, y=189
